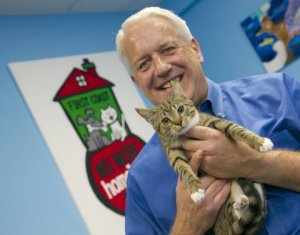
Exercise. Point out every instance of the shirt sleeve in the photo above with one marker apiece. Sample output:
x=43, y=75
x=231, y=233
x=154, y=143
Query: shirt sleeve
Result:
x=292, y=105
x=293, y=89
x=138, y=217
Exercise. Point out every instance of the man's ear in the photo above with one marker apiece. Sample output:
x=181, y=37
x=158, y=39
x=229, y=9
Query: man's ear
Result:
x=196, y=47
x=133, y=79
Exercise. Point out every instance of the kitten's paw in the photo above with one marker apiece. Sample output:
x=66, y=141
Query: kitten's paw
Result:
x=241, y=203
x=266, y=146
x=197, y=196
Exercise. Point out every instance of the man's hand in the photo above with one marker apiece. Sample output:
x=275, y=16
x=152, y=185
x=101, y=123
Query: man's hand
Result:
x=223, y=157
x=192, y=218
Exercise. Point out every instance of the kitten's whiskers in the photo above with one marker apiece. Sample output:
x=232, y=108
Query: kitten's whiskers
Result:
x=194, y=121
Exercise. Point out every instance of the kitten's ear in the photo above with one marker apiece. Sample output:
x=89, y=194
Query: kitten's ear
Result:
x=147, y=114
x=176, y=88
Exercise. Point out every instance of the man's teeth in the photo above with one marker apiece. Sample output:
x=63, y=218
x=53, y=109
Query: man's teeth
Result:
x=168, y=84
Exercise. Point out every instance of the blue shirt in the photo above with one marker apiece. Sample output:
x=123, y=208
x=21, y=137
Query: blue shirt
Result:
x=266, y=104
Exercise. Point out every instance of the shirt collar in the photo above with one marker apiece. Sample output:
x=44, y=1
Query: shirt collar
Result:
x=215, y=98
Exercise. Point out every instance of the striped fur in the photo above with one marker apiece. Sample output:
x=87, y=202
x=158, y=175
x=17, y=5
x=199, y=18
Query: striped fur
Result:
x=171, y=119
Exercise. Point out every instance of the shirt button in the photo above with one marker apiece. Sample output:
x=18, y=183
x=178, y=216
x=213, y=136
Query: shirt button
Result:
x=220, y=115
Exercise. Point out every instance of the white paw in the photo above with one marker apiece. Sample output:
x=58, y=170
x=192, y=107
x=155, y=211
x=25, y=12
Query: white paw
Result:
x=241, y=203
x=197, y=196
x=267, y=145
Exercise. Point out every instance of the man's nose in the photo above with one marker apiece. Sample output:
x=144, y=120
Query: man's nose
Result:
x=162, y=68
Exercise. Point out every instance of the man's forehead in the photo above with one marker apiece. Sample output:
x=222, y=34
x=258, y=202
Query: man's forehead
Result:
x=149, y=34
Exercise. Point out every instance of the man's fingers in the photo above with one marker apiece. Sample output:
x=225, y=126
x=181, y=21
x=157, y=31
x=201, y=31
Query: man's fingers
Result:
x=196, y=159
x=192, y=145
x=201, y=132
x=218, y=191
x=223, y=194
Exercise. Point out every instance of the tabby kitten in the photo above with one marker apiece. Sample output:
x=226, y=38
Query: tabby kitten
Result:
x=245, y=209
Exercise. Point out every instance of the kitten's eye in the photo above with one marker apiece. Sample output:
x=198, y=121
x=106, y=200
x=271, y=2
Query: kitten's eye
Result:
x=180, y=109
x=166, y=121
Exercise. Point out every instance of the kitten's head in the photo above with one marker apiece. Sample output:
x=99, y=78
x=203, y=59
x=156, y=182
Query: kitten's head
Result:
x=174, y=116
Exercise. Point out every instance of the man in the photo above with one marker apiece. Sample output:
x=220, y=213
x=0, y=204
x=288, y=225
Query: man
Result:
x=156, y=47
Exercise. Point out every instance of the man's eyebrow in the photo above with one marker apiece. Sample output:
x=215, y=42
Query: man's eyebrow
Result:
x=136, y=61
x=167, y=44
x=163, y=45
x=160, y=47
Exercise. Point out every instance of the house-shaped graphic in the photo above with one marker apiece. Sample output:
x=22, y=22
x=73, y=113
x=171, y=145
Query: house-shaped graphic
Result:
x=83, y=96
x=91, y=106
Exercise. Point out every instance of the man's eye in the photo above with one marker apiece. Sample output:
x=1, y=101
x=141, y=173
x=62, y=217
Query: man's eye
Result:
x=144, y=65
x=169, y=50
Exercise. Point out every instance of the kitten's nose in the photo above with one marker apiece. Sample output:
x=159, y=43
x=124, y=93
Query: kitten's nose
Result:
x=177, y=121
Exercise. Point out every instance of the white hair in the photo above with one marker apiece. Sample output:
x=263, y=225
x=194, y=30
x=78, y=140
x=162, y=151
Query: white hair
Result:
x=178, y=23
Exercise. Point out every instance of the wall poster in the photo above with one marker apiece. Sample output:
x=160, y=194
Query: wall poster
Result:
x=84, y=107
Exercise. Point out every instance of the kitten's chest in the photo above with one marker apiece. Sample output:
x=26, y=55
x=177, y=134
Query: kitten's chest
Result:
x=170, y=144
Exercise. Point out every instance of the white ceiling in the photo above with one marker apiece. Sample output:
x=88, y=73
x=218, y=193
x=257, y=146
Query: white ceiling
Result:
x=38, y=7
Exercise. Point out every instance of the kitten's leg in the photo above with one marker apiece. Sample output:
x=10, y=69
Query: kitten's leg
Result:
x=266, y=146
x=191, y=179
x=250, y=217
x=186, y=174
x=238, y=132
x=239, y=209
x=198, y=195
x=241, y=201
x=258, y=220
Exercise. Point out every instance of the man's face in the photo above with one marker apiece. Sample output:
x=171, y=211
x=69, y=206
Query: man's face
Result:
x=158, y=55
